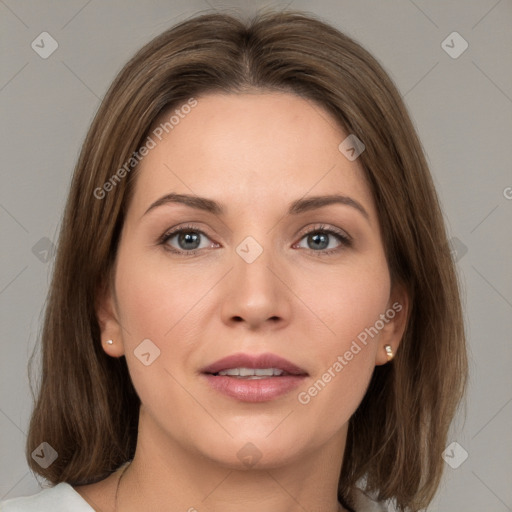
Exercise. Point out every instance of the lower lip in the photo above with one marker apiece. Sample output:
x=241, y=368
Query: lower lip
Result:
x=254, y=390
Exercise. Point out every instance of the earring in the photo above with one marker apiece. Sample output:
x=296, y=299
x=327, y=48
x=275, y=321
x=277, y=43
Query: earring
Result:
x=109, y=342
x=389, y=352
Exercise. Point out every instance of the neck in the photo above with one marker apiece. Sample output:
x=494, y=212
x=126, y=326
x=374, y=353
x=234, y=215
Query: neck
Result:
x=167, y=475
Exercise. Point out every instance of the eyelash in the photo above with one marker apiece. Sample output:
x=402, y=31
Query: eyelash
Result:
x=342, y=237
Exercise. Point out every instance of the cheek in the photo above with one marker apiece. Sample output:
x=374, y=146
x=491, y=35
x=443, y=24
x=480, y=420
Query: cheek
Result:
x=142, y=299
x=163, y=303
x=349, y=305
x=152, y=296
x=347, y=301
x=153, y=304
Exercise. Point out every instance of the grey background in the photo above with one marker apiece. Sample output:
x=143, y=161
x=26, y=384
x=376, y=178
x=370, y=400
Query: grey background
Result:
x=462, y=109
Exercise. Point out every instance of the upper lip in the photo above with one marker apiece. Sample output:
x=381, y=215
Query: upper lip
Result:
x=254, y=361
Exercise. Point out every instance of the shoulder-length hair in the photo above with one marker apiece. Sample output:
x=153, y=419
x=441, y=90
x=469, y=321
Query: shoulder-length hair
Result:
x=87, y=408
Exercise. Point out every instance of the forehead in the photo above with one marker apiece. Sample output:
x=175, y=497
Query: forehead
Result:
x=257, y=147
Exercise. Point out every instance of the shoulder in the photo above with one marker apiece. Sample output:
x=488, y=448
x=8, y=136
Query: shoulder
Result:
x=60, y=498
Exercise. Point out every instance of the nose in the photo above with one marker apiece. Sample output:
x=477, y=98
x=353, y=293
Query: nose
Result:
x=256, y=294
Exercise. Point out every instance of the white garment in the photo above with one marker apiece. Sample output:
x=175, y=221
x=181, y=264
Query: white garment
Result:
x=63, y=498
x=60, y=498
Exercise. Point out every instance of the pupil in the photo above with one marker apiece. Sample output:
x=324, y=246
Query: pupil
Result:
x=321, y=239
x=189, y=237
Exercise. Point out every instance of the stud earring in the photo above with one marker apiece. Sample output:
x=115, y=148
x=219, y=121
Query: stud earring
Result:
x=389, y=352
x=109, y=342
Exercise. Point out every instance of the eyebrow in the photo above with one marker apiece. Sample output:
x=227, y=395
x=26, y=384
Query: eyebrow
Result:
x=296, y=207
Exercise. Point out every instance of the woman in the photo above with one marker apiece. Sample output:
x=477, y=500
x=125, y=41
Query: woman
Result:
x=307, y=352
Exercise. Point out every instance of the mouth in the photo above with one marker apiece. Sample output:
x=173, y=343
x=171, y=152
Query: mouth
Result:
x=252, y=373
x=253, y=366
x=254, y=378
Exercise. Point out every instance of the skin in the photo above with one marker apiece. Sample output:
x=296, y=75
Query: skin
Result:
x=254, y=153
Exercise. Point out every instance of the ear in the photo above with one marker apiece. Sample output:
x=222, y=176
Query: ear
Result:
x=107, y=315
x=395, y=322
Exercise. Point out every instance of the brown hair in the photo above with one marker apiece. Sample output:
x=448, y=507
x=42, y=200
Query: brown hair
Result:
x=87, y=408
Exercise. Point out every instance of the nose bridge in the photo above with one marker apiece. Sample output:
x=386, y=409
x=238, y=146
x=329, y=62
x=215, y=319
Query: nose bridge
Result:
x=255, y=292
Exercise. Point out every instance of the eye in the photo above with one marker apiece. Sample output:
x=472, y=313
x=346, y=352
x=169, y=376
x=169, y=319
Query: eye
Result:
x=187, y=239
x=320, y=240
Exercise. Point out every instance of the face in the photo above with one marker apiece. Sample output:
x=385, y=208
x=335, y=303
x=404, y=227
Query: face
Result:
x=269, y=271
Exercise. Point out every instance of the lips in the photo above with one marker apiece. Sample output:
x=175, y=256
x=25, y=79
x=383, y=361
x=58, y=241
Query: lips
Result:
x=261, y=361
x=286, y=377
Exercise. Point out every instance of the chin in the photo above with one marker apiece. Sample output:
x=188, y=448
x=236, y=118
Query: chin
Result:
x=253, y=452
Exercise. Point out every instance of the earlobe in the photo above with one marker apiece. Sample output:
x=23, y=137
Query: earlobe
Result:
x=392, y=333
x=113, y=348
x=110, y=328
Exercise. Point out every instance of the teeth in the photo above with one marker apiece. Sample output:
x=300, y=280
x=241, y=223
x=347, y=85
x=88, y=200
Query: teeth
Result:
x=268, y=372
x=252, y=372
